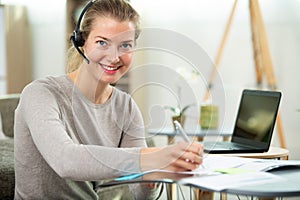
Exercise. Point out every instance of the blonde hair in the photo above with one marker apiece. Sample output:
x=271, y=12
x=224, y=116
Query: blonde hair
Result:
x=120, y=10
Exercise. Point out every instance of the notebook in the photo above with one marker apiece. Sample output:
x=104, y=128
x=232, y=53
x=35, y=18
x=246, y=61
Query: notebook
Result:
x=254, y=124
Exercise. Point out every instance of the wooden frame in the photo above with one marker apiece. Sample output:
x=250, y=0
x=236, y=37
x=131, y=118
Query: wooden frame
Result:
x=262, y=57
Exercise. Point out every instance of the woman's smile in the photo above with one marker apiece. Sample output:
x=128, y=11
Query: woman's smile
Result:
x=110, y=69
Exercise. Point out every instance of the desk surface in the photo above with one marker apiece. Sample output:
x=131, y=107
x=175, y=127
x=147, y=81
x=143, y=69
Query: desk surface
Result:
x=274, y=153
x=288, y=187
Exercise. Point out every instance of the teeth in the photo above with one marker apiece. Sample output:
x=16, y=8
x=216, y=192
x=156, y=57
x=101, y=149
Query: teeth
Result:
x=109, y=68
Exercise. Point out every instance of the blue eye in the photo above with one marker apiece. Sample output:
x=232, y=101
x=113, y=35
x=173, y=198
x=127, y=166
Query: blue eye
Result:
x=102, y=43
x=126, y=46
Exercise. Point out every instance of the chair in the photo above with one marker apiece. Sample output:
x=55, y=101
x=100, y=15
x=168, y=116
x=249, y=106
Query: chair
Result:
x=8, y=104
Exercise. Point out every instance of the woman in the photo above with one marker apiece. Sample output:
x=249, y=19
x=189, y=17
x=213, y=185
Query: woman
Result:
x=74, y=130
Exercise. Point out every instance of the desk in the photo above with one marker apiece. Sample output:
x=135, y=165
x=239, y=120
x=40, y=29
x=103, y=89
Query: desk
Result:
x=289, y=187
x=273, y=153
x=198, y=133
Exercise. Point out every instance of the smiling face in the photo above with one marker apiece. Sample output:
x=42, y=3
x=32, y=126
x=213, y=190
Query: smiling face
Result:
x=109, y=47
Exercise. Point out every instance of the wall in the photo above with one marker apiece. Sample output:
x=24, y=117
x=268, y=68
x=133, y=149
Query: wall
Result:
x=47, y=23
x=204, y=23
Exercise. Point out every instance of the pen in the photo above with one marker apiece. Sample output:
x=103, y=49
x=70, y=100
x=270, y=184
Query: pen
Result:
x=184, y=135
x=181, y=131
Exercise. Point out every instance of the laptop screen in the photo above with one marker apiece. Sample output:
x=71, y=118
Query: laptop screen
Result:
x=256, y=117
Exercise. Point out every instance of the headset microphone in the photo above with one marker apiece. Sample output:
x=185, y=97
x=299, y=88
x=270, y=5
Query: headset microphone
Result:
x=76, y=37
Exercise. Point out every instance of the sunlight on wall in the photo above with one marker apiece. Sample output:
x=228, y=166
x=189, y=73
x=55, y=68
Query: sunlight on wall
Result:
x=47, y=20
x=178, y=9
x=204, y=22
x=45, y=11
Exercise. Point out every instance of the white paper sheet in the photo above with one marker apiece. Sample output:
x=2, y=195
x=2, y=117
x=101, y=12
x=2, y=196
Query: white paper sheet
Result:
x=225, y=181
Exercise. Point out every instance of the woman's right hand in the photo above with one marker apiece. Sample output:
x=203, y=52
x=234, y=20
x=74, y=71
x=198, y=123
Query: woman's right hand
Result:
x=177, y=157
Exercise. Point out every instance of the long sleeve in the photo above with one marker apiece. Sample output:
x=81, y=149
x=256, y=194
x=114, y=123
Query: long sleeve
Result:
x=64, y=142
x=76, y=161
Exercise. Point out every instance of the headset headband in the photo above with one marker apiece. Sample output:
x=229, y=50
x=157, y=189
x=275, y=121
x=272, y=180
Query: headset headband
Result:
x=76, y=37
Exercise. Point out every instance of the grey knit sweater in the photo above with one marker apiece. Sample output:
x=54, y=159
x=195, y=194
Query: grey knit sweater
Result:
x=65, y=144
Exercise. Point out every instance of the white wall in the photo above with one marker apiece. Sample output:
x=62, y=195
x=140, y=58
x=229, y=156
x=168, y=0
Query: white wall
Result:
x=204, y=23
x=48, y=35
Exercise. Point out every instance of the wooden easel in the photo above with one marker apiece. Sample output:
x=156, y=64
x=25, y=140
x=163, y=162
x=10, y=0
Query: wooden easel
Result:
x=262, y=58
x=263, y=68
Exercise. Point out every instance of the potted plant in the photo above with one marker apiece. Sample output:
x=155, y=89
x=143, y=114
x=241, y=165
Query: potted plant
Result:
x=178, y=113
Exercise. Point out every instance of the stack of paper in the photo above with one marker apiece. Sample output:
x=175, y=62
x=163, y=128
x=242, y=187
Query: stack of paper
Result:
x=225, y=181
x=222, y=172
x=228, y=172
x=216, y=163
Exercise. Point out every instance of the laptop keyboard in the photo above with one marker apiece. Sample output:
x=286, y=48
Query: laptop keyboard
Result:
x=236, y=146
x=226, y=145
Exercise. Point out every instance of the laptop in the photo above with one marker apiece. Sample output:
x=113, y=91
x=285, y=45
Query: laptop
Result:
x=254, y=124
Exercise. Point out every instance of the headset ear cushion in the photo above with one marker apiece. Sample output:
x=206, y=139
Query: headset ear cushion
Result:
x=77, y=39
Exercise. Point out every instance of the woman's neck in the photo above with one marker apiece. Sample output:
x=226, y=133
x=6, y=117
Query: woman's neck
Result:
x=95, y=91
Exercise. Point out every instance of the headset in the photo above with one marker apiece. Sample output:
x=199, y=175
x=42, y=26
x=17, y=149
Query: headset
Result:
x=76, y=37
